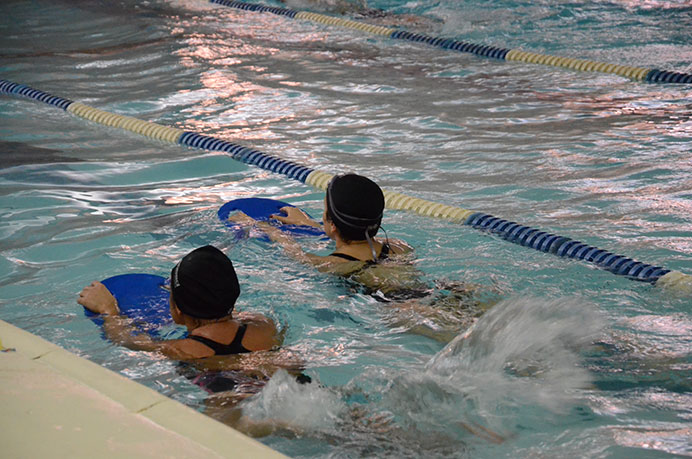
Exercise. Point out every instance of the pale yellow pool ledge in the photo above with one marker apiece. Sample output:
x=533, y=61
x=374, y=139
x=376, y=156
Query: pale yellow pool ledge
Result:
x=56, y=404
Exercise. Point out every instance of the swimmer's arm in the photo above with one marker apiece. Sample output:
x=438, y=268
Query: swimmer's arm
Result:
x=119, y=329
x=295, y=216
x=326, y=264
x=264, y=428
x=295, y=251
x=290, y=245
x=483, y=432
x=218, y=408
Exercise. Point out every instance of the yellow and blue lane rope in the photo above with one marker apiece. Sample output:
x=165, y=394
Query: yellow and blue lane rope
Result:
x=508, y=230
x=635, y=73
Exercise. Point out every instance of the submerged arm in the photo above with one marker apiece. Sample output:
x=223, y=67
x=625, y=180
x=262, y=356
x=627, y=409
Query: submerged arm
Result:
x=289, y=244
x=223, y=407
x=120, y=330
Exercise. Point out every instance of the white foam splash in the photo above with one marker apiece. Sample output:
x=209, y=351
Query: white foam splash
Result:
x=303, y=406
x=520, y=362
x=523, y=351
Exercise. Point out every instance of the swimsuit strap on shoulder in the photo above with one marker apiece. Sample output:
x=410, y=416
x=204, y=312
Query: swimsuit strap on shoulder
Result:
x=344, y=256
x=234, y=347
x=384, y=253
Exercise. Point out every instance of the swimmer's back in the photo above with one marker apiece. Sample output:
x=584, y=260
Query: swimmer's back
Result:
x=393, y=272
x=252, y=332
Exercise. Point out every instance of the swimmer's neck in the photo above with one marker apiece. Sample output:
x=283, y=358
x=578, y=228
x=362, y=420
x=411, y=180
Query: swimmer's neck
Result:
x=357, y=249
x=193, y=324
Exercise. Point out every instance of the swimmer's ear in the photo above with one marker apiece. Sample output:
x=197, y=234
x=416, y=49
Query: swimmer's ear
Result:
x=174, y=307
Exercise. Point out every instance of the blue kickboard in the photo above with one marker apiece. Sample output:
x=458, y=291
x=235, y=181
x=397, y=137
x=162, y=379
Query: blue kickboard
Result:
x=141, y=297
x=261, y=209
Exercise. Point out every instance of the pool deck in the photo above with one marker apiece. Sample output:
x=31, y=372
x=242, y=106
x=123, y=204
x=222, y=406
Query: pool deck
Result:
x=57, y=404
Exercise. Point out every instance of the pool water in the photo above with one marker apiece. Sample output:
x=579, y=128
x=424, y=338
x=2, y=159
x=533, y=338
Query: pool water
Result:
x=572, y=361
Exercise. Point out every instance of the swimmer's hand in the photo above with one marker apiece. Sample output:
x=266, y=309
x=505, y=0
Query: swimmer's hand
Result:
x=249, y=224
x=295, y=216
x=242, y=219
x=96, y=298
x=275, y=234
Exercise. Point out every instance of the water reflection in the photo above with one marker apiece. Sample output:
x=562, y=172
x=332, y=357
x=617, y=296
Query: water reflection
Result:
x=592, y=155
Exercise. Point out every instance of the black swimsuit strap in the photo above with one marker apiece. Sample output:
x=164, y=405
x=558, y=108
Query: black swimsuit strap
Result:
x=234, y=347
x=384, y=252
x=344, y=256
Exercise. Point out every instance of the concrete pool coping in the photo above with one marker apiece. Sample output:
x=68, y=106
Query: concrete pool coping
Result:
x=57, y=404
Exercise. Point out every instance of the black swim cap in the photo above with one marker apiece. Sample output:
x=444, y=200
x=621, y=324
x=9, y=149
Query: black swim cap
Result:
x=204, y=284
x=355, y=205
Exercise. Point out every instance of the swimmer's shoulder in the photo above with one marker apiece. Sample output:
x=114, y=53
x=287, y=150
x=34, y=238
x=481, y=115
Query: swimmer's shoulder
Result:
x=335, y=265
x=185, y=349
x=261, y=333
x=399, y=247
x=342, y=266
x=261, y=330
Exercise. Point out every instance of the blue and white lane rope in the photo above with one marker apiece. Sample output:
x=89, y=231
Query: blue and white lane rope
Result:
x=247, y=155
x=635, y=73
x=568, y=248
x=510, y=231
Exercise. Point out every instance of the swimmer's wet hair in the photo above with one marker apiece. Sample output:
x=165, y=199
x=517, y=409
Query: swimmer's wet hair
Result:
x=355, y=205
x=204, y=284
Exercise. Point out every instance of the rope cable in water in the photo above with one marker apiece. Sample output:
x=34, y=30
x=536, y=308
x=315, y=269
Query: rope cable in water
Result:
x=510, y=231
x=635, y=73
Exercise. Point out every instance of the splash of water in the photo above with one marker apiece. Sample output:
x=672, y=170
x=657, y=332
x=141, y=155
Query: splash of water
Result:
x=518, y=364
x=526, y=345
x=307, y=407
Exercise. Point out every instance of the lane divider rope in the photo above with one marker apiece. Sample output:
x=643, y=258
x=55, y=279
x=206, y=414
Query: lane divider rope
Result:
x=510, y=231
x=635, y=73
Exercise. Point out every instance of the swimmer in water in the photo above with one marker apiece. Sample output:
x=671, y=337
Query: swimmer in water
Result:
x=221, y=354
x=382, y=268
x=204, y=289
x=353, y=210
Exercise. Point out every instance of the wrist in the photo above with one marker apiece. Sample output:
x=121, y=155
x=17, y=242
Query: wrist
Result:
x=111, y=308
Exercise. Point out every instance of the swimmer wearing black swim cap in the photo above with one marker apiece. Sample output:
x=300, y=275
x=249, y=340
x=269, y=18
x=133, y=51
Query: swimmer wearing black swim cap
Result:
x=381, y=268
x=355, y=205
x=353, y=212
x=204, y=289
x=204, y=284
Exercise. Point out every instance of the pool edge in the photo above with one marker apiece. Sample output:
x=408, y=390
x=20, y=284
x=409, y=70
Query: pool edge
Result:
x=59, y=403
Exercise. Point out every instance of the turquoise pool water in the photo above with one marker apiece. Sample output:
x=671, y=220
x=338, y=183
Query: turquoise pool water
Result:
x=573, y=361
